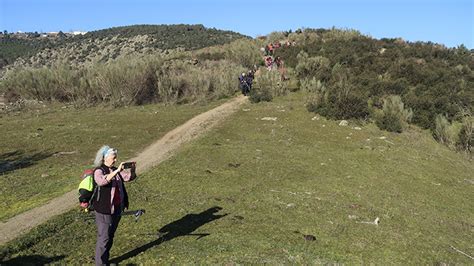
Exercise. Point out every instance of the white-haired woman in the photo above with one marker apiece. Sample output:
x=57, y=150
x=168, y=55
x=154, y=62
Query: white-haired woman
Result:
x=110, y=200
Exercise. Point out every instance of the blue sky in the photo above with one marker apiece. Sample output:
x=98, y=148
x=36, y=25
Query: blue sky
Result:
x=450, y=22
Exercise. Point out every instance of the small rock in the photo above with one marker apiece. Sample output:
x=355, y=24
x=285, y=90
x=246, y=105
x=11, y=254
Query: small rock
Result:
x=315, y=118
x=323, y=125
x=343, y=123
x=290, y=205
x=269, y=119
x=377, y=221
x=357, y=128
x=383, y=137
x=245, y=110
x=348, y=137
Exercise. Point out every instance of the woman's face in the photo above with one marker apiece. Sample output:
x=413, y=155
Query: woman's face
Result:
x=110, y=159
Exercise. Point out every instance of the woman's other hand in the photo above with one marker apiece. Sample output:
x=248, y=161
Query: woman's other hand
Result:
x=120, y=167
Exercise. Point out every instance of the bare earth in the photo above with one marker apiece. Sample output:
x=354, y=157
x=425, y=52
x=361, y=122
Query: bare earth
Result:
x=150, y=157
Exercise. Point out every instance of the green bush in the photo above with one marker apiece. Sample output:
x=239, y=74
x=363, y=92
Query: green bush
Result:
x=258, y=94
x=394, y=117
x=272, y=81
x=311, y=85
x=466, y=135
x=339, y=99
x=390, y=122
x=267, y=85
x=444, y=131
x=243, y=52
x=318, y=67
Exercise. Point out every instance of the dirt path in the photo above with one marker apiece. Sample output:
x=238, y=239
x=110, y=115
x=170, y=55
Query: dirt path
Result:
x=151, y=156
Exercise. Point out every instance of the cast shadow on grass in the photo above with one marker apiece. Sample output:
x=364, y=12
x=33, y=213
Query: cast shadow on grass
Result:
x=32, y=260
x=182, y=227
x=12, y=161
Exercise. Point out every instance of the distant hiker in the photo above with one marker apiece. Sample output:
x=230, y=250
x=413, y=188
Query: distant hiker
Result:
x=250, y=76
x=270, y=49
x=110, y=201
x=269, y=62
x=278, y=62
x=243, y=84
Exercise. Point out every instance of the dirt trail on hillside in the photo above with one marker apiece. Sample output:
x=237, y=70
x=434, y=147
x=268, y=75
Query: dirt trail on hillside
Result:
x=151, y=156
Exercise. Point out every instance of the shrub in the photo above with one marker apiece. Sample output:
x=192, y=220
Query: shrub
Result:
x=42, y=83
x=338, y=99
x=271, y=81
x=311, y=85
x=124, y=82
x=267, y=85
x=318, y=67
x=443, y=131
x=276, y=36
x=258, y=94
x=394, y=117
x=243, y=52
x=466, y=135
x=128, y=80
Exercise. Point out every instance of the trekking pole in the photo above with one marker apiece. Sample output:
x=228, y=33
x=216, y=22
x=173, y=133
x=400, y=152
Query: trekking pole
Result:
x=135, y=213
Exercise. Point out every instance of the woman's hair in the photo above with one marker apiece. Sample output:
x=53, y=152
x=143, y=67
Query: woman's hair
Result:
x=103, y=152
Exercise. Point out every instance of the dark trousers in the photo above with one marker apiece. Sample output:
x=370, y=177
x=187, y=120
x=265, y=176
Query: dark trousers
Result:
x=245, y=88
x=106, y=227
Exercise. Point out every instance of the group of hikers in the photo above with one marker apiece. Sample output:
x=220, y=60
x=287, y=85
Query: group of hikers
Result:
x=271, y=47
x=270, y=62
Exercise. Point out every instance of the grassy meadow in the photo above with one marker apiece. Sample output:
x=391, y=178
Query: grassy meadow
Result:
x=297, y=190
x=44, y=151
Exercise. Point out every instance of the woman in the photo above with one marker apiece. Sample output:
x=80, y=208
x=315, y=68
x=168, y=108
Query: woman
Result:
x=110, y=201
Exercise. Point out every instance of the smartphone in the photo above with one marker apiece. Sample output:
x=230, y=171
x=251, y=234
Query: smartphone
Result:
x=128, y=165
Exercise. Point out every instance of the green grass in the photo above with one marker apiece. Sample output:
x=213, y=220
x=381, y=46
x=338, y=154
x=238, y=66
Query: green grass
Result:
x=277, y=180
x=30, y=173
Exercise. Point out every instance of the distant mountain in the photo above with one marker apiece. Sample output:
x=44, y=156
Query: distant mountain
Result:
x=102, y=45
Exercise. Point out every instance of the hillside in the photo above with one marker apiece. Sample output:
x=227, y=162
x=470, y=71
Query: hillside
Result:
x=297, y=189
x=358, y=73
x=108, y=44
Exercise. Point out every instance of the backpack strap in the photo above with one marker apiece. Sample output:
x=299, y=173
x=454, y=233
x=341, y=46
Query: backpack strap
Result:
x=96, y=192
